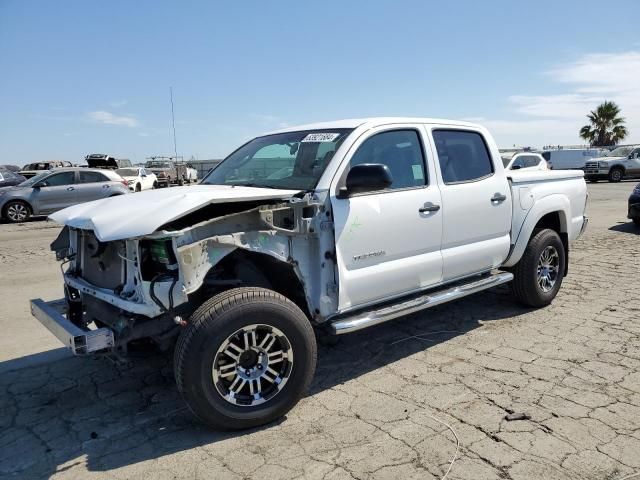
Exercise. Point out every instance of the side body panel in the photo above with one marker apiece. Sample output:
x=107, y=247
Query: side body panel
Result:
x=476, y=228
x=385, y=247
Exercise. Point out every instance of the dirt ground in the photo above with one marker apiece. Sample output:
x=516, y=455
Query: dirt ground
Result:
x=402, y=400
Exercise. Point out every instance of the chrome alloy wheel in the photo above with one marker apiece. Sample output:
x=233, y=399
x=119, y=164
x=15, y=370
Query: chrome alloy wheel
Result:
x=548, y=265
x=252, y=365
x=17, y=212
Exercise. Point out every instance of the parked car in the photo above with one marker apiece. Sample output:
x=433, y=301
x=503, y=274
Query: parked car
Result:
x=9, y=178
x=11, y=168
x=569, y=158
x=616, y=165
x=377, y=219
x=33, y=169
x=100, y=160
x=51, y=191
x=525, y=161
x=634, y=205
x=138, y=178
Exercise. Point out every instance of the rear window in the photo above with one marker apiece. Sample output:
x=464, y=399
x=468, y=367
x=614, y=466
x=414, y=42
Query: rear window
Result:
x=463, y=156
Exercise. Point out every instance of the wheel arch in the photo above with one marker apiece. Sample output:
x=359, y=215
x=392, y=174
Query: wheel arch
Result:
x=245, y=268
x=618, y=166
x=553, y=212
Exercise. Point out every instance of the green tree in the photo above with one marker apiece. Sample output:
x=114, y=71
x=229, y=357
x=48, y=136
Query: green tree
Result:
x=606, y=126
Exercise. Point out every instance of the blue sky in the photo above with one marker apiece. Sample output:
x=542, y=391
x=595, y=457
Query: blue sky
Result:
x=79, y=77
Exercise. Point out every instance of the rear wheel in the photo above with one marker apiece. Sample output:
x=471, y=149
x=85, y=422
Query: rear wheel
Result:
x=138, y=187
x=17, y=211
x=539, y=273
x=245, y=359
x=615, y=175
x=636, y=220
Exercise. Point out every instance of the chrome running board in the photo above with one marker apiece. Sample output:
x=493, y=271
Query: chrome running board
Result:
x=405, y=307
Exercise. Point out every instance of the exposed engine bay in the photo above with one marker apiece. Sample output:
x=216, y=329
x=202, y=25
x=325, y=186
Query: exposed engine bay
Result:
x=141, y=287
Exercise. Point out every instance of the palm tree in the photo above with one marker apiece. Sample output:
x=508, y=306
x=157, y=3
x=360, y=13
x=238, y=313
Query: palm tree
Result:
x=606, y=126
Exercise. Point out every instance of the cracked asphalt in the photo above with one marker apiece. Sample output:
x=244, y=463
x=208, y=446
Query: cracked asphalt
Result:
x=397, y=401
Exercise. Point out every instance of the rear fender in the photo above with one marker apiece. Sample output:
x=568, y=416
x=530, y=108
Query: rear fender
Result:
x=549, y=204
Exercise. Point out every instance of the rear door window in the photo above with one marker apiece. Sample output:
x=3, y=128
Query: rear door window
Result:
x=92, y=177
x=463, y=156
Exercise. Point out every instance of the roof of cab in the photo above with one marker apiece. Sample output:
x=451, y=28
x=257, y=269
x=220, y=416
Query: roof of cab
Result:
x=370, y=122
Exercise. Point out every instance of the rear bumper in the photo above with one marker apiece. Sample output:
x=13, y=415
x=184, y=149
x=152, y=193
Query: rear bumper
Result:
x=81, y=342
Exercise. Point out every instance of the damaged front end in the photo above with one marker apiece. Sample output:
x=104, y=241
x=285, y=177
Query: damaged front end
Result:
x=135, y=290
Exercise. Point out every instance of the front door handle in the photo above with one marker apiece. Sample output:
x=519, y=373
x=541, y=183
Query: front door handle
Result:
x=429, y=207
x=70, y=189
x=498, y=198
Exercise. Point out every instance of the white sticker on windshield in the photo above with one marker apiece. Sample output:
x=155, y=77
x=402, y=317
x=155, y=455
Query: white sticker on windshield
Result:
x=320, y=137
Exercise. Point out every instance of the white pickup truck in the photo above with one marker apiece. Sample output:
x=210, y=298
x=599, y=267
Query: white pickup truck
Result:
x=339, y=225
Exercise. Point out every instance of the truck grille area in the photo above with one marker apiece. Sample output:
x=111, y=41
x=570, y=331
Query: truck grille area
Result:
x=101, y=263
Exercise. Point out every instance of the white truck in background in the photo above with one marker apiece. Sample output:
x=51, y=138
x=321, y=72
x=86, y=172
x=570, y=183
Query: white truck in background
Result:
x=367, y=220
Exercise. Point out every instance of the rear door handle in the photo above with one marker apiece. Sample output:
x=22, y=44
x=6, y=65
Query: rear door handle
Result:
x=498, y=198
x=70, y=189
x=429, y=207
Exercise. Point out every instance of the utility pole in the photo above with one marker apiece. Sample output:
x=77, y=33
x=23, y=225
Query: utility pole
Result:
x=173, y=123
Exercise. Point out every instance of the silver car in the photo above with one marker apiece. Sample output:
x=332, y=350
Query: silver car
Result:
x=54, y=190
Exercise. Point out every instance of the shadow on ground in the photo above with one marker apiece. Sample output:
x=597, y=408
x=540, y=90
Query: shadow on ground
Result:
x=119, y=415
x=628, y=227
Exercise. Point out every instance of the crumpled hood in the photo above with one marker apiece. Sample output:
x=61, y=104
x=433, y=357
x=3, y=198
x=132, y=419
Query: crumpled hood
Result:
x=138, y=214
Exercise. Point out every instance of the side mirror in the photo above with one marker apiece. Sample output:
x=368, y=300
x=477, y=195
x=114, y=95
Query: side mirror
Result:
x=143, y=175
x=39, y=185
x=367, y=177
x=516, y=167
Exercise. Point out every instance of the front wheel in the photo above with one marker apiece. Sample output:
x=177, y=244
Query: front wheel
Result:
x=245, y=359
x=539, y=273
x=17, y=212
x=615, y=175
x=636, y=220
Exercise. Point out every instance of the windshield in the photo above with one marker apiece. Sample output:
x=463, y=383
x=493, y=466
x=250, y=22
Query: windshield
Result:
x=35, y=179
x=292, y=160
x=619, y=152
x=127, y=172
x=157, y=165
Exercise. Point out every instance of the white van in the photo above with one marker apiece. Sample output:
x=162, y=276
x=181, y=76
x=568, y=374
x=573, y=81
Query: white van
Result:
x=569, y=158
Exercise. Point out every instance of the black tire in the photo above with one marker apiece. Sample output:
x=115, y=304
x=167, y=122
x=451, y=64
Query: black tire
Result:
x=616, y=175
x=181, y=182
x=155, y=185
x=525, y=284
x=592, y=180
x=138, y=187
x=17, y=211
x=213, y=324
x=636, y=220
